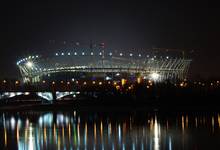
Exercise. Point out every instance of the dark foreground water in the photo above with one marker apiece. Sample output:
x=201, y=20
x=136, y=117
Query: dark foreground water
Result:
x=110, y=130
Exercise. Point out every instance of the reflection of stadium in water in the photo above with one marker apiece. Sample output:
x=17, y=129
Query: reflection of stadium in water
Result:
x=74, y=131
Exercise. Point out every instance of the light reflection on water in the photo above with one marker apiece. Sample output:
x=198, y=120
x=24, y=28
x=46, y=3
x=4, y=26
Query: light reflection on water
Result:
x=86, y=130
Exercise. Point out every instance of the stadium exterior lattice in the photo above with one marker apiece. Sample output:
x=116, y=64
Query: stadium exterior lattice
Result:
x=150, y=64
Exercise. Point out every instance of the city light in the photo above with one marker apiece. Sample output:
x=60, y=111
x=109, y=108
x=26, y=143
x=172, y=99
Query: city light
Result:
x=155, y=76
x=107, y=78
x=16, y=82
x=138, y=80
x=123, y=82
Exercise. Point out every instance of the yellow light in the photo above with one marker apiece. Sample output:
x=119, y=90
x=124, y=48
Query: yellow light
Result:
x=123, y=82
x=4, y=81
x=61, y=82
x=100, y=83
x=53, y=82
x=68, y=82
x=138, y=80
x=109, y=82
x=44, y=81
x=148, y=87
x=115, y=83
x=93, y=82
x=118, y=87
x=181, y=84
x=16, y=82
x=84, y=83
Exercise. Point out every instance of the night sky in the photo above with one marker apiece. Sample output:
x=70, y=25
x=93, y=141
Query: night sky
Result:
x=27, y=27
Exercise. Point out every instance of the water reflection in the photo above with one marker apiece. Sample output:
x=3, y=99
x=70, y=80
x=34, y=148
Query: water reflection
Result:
x=75, y=130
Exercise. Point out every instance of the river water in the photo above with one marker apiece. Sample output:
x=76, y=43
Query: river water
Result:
x=130, y=130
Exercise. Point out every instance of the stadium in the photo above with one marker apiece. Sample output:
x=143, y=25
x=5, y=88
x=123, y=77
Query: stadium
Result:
x=92, y=64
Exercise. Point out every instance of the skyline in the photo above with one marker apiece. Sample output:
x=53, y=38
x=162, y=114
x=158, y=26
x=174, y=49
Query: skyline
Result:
x=28, y=27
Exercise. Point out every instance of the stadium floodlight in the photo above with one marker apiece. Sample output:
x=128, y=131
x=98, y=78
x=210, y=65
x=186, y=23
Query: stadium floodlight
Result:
x=107, y=78
x=29, y=64
x=154, y=76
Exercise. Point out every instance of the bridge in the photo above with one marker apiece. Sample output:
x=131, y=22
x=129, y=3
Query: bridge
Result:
x=48, y=96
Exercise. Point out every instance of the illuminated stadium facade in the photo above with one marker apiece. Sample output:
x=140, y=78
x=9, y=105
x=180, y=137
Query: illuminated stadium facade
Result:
x=100, y=63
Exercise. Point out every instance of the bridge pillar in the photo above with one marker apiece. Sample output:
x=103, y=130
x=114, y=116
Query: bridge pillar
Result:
x=54, y=96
